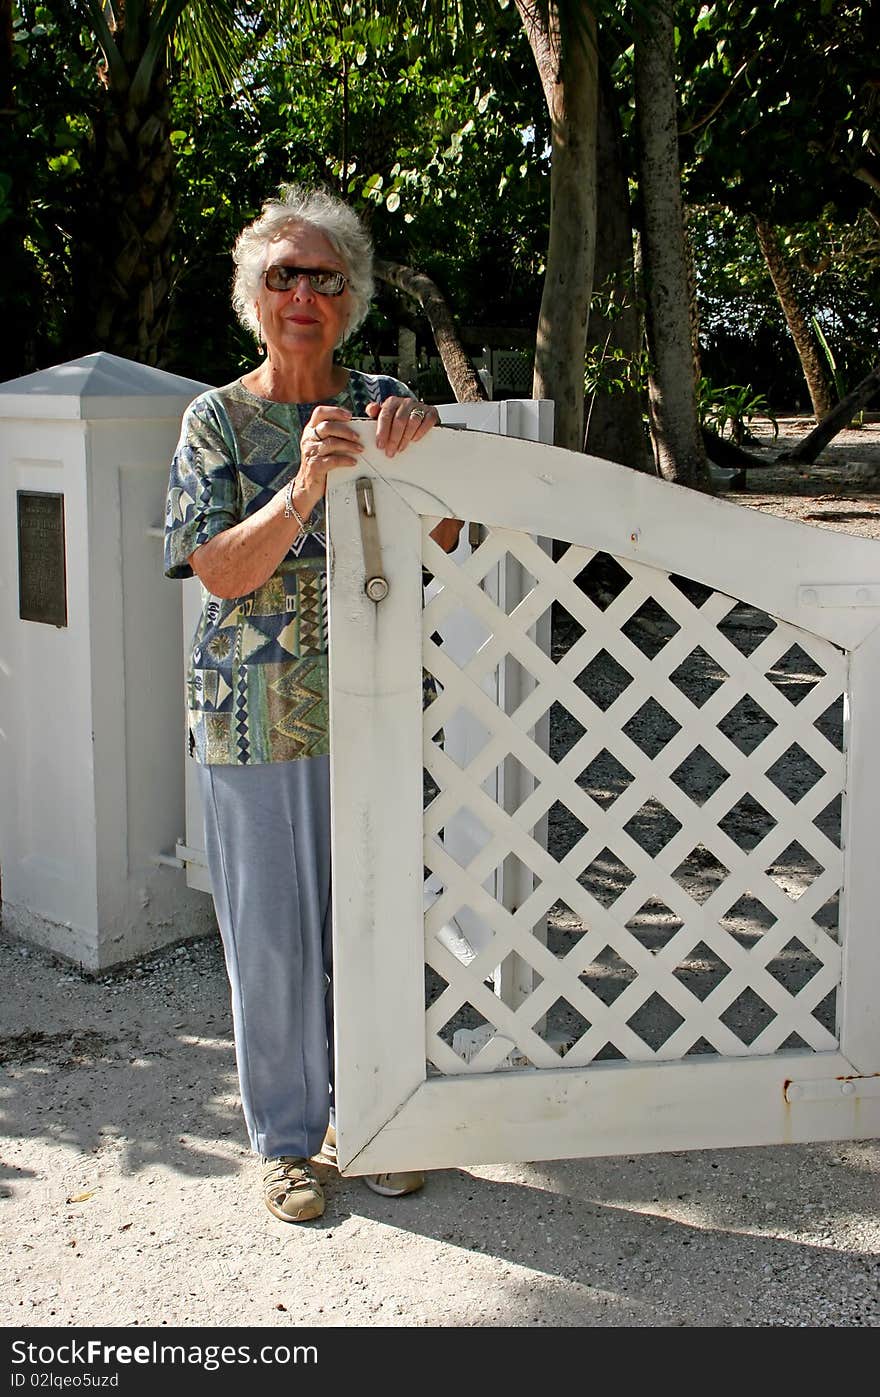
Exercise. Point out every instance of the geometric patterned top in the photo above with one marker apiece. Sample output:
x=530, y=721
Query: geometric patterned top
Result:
x=257, y=682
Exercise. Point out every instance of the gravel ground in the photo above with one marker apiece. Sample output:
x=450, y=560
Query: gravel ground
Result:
x=840, y=491
x=129, y=1197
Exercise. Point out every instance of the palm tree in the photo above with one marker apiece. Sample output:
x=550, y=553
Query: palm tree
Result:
x=123, y=261
x=805, y=342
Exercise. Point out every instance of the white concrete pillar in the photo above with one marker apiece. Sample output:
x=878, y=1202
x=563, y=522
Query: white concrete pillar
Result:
x=91, y=710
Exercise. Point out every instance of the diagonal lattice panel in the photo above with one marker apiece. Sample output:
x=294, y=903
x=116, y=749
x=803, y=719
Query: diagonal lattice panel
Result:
x=577, y=706
x=586, y=808
x=657, y=976
x=733, y=855
x=753, y=804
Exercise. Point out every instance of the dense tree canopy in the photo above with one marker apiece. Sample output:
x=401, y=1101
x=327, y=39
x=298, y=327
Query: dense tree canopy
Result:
x=779, y=125
x=444, y=159
x=434, y=121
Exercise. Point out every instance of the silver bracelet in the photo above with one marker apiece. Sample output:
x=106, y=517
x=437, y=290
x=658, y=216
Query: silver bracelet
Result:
x=291, y=511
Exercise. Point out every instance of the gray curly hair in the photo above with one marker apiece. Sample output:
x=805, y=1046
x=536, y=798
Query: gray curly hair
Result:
x=340, y=226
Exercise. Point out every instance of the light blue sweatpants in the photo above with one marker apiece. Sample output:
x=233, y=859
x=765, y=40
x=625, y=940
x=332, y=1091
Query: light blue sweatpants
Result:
x=267, y=837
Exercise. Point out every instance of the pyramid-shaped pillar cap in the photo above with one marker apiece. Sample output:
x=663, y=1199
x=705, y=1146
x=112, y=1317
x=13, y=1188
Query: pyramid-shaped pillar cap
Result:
x=98, y=385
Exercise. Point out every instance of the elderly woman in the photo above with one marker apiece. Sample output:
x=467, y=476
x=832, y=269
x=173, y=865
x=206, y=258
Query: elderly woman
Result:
x=245, y=513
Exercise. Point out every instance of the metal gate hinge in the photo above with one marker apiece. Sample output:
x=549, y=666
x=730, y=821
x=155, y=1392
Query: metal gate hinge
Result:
x=375, y=582
x=832, y=1088
x=839, y=594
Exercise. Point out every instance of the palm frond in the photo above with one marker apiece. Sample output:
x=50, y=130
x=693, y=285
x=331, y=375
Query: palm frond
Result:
x=209, y=37
x=203, y=34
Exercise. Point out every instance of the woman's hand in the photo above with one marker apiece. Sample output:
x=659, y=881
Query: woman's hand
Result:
x=327, y=441
x=401, y=421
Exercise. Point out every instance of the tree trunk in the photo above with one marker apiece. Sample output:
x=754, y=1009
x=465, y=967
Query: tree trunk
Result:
x=567, y=64
x=614, y=419
x=674, y=418
x=123, y=255
x=835, y=421
x=808, y=351
x=725, y=452
x=465, y=381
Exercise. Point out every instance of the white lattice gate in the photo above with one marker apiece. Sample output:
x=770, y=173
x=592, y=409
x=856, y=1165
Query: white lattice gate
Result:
x=696, y=937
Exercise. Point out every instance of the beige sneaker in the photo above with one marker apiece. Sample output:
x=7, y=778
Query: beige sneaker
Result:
x=388, y=1185
x=395, y=1185
x=328, y=1149
x=291, y=1190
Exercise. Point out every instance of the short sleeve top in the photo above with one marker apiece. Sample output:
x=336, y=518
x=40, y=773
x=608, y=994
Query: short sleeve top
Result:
x=257, y=680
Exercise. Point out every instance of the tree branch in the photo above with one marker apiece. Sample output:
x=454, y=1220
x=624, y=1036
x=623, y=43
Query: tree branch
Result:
x=835, y=421
x=695, y=125
x=463, y=377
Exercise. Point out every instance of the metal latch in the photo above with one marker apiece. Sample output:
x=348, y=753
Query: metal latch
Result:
x=375, y=582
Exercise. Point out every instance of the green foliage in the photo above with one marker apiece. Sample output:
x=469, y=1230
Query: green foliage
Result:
x=419, y=144
x=210, y=39
x=140, y=37
x=45, y=136
x=829, y=357
x=734, y=406
x=778, y=119
x=609, y=370
x=837, y=281
x=777, y=98
x=429, y=118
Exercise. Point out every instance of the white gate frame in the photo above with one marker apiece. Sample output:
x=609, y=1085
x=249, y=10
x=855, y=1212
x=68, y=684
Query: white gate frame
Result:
x=390, y=1113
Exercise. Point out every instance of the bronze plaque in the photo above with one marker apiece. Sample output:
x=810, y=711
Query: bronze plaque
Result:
x=42, y=568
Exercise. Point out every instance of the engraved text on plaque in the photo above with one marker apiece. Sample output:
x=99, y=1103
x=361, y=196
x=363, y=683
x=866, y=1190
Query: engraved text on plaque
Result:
x=42, y=573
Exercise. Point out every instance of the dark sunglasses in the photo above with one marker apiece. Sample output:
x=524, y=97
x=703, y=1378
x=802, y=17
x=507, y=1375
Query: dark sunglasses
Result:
x=282, y=278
